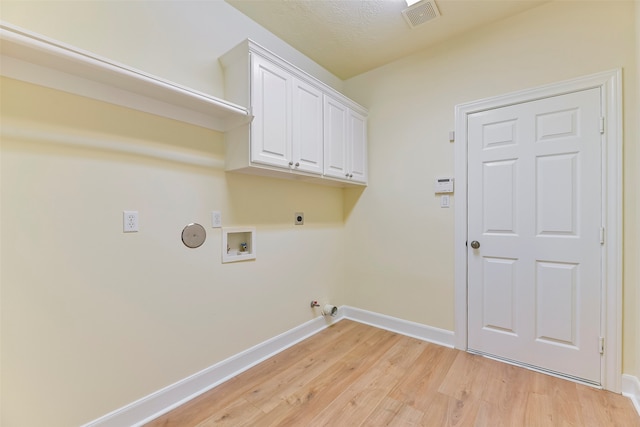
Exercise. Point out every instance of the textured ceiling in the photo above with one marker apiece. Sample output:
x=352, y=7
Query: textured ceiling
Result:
x=350, y=37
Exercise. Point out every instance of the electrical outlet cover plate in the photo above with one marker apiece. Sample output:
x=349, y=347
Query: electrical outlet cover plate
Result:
x=130, y=221
x=216, y=219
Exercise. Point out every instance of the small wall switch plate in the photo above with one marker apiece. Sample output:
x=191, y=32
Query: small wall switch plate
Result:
x=298, y=218
x=444, y=201
x=130, y=221
x=216, y=219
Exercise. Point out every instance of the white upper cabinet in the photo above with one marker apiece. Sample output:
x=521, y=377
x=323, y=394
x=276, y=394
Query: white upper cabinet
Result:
x=345, y=141
x=287, y=128
x=295, y=132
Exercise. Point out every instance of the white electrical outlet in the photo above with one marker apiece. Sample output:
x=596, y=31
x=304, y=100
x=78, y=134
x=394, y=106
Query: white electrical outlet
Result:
x=216, y=219
x=130, y=221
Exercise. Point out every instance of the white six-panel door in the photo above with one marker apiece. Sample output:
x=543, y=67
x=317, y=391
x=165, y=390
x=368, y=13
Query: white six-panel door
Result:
x=534, y=208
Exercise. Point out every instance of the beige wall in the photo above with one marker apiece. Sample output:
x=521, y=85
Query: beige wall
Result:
x=406, y=268
x=94, y=319
x=179, y=40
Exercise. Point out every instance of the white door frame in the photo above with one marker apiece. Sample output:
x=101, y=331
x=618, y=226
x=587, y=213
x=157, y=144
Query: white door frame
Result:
x=610, y=84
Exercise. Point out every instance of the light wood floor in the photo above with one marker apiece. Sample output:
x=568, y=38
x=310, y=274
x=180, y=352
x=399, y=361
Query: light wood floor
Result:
x=356, y=375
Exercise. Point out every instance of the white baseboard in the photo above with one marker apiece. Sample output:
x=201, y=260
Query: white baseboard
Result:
x=403, y=327
x=162, y=401
x=631, y=389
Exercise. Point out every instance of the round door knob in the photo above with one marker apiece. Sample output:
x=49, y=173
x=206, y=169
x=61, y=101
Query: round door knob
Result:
x=475, y=244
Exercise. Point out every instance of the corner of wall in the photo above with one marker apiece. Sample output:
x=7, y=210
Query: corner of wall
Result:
x=637, y=207
x=631, y=389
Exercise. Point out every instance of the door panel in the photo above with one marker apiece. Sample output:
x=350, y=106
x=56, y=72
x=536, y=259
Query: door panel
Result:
x=534, y=186
x=500, y=197
x=499, y=133
x=357, y=154
x=556, y=299
x=499, y=294
x=270, y=128
x=557, y=124
x=335, y=138
x=307, y=128
x=557, y=179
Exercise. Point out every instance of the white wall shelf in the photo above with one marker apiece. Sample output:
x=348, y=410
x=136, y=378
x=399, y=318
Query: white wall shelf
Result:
x=37, y=59
x=233, y=240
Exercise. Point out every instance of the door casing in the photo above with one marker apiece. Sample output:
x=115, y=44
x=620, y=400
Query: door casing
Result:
x=610, y=85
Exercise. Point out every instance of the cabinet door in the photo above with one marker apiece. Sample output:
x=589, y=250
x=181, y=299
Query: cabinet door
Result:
x=307, y=128
x=271, y=107
x=357, y=148
x=335, y=138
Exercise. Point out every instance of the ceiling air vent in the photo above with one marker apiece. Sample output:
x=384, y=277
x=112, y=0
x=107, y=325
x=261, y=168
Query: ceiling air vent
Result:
x=421, y=12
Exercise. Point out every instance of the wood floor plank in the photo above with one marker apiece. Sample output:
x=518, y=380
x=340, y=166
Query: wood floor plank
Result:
x=362, y=396
x=392, y=412
x=562, y=393
x=356, y=402
x=445, y=410
x=504, y=394
x=603, y=408
x=428, y=372
x=307, y=402
x=237, y=413
x=539, y=410
x=199, y=409
x=278, y=386
x=355, y=375
x=466, y=378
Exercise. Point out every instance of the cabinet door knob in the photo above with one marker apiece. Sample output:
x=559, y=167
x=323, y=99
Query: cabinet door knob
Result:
x=290, y=163
x=297, y=164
